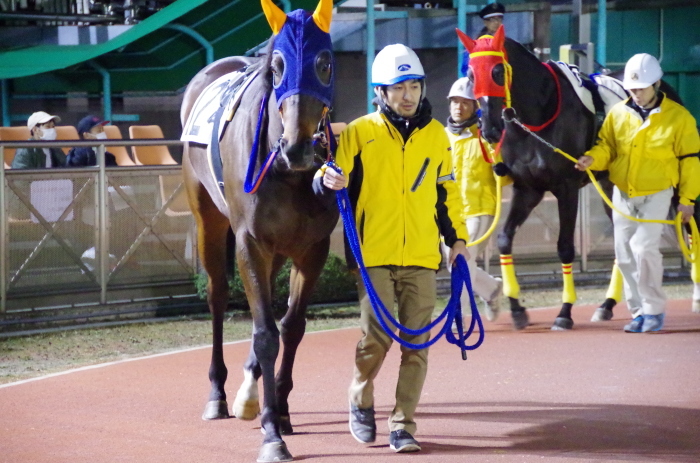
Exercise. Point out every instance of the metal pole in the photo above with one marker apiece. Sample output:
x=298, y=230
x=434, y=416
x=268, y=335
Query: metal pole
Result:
x=602, y=32
x=103, y=243
x=5, y=102
x=208, y=48
x=371, y=47
x=106, y=90
x=3, y=236
x=462, y=25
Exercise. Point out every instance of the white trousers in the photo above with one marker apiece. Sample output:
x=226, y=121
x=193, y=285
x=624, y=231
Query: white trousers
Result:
x=637, y=250
x=483, y=283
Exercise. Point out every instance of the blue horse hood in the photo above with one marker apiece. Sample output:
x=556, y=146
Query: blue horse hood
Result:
x=300, y=42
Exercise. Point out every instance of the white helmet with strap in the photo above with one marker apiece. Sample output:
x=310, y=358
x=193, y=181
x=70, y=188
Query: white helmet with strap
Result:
x=464, y=88
x=641, y=71
x=396, y=63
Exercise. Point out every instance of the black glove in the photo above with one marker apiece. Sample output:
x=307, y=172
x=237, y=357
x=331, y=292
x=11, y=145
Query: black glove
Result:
x=501, y=169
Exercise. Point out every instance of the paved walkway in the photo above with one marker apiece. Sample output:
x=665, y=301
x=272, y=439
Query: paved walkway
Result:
x=592, y=394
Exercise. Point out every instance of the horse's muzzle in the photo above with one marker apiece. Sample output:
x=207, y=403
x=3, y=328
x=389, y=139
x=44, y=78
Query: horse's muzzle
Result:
x=299, y=155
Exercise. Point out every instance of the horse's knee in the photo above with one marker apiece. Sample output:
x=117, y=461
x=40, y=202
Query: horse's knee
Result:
x=505, y=243
x=567, y=252
x=293, y=328
x=266, y=345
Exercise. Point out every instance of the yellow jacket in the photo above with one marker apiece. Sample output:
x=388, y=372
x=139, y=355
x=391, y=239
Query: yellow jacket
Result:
x=474, y=176
x=643, y=156
x=404, y=195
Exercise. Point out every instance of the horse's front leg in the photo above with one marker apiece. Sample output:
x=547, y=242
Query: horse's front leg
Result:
x=567, y=203
x=246, y=406
x=255, y=266
x=523, y=202
x=305, y=273
x=614, y=293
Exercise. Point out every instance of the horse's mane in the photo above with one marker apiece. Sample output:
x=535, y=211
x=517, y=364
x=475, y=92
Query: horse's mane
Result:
x=263, y=65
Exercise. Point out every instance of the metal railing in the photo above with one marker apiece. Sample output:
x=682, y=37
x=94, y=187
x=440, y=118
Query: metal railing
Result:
x=65, y=232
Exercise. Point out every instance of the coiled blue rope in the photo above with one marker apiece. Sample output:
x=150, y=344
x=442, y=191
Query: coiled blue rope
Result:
x=452, y=312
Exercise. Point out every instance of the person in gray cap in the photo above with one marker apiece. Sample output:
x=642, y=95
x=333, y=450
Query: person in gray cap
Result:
x=492, y=15
x=41, y=125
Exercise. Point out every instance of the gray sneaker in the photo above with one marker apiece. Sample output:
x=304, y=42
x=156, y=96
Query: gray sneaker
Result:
x=653, y=323
x=401, y=441
x=635, y=326
x=493, y=304
x=362, y=425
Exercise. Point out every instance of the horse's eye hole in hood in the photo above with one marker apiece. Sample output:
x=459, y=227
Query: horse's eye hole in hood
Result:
x=278, y=68
x=324, y=67
x=498, y=74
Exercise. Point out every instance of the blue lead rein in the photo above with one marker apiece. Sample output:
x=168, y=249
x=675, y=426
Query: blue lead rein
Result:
x=452, y=312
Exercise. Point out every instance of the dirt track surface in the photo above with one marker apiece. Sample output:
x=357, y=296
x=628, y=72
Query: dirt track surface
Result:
x=592, y=394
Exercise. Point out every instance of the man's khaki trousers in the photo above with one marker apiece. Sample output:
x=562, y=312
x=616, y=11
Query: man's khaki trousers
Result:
x=413, y=288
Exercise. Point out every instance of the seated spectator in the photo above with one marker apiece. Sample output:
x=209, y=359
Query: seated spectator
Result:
x=90, y=128
x=42, y=127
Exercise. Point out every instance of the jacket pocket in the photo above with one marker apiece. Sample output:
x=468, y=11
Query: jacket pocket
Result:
x=362, y=228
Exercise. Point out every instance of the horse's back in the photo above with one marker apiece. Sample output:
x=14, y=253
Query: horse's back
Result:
x=208, y=75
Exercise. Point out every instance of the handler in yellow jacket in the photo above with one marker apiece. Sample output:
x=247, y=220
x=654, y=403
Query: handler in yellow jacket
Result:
x=650, y=144
x=477, y=185
x=397, y=166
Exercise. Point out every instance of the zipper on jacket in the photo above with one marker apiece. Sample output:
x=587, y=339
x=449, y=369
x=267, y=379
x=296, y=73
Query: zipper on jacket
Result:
x=421, y=175
x=362, y=228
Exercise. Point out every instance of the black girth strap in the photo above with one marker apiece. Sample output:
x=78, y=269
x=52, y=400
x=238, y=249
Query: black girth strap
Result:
x=216, y=162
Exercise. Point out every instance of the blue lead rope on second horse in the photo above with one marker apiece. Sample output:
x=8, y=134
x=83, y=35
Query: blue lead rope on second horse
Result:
x=452, y=312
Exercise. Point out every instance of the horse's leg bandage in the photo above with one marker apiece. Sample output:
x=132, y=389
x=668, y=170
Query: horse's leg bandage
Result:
x=615, y=288
x=511, y=288
x=568, y=295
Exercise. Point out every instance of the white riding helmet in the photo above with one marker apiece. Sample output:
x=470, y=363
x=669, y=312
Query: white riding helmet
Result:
x=641, y=71
x=394, y=64
x=462, y=87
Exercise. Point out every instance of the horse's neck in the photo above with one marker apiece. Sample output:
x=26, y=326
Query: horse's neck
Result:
x=533, y=90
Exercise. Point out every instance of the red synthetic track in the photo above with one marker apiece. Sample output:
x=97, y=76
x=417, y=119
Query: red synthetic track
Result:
x=592, y=394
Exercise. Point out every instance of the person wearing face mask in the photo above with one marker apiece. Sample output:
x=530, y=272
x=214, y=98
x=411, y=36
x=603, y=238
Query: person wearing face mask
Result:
x=90, y=128
x=476, y=183
x=397, y=166
x=650, y=145
x=42, y=127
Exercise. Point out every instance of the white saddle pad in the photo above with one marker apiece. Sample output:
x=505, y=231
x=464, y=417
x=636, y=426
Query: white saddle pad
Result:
x=200, y=123
x=610, y=89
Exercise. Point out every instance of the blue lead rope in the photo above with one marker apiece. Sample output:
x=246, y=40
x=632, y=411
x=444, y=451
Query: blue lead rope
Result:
x=452, y=312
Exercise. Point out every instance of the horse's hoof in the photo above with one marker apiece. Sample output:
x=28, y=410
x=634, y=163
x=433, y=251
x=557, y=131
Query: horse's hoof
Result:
x=602, y=314
x=274, y=451
x=246, y=409
x=562, y=324
x=520, y=320
x=286, y=426
x=215, y=410
x=696, y=306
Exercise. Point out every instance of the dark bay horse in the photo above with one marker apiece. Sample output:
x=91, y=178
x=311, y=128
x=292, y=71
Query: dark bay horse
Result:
x=505, y=74
x=283, y=219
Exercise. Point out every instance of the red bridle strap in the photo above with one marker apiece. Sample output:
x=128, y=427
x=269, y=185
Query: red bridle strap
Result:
x=537, y=128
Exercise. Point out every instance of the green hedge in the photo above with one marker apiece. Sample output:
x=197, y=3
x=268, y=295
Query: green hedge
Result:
x=336, y=284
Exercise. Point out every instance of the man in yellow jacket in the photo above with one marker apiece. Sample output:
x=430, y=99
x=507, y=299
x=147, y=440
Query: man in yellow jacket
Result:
x=650, y=145
x=477, y=185
x=397, y=166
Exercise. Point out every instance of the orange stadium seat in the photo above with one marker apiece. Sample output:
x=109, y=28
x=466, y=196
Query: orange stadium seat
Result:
x=119, y=152
x=150, y=155
x=66, y=132
x=14, y=134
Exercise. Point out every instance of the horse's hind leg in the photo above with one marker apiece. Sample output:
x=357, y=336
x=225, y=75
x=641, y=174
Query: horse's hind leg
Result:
x=614, y=293
x=212, y=230
x=523, y=202
x=305, y=273
x=567, y=203
x=246, y=406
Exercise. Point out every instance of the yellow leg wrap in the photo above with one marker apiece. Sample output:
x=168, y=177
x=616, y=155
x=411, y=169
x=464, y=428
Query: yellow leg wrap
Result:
x=615, y=288
x=568, y=295
x=695, y=272
x=511, y=288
